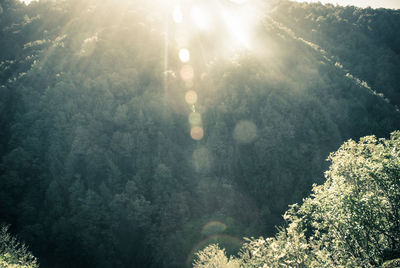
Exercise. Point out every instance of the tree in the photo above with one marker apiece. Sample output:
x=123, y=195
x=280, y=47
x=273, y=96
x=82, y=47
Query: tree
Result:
x=13, y=254
x=357, y=209
x=97, y=167
x=352, y=220
x=214, y=257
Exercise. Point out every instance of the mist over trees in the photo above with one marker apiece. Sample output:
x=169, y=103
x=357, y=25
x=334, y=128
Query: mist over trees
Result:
x=97, y=165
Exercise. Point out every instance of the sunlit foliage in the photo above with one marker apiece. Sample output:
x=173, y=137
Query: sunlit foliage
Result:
x=117, y=150
x=212, y=257
x=14, y=254
x=355, y=214
x=352, y=220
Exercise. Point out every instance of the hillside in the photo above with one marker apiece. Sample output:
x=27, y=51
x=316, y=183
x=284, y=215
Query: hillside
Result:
x=105, y=164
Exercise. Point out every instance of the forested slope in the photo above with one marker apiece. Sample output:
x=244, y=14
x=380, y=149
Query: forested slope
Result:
x=98, y=168
x=352, y=35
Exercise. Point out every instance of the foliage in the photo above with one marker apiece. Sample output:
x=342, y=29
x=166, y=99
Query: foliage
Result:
x=349, y=221
x=13, y=254
x=289, y=248
x=356, y=212
x=369, y=31
x=214, y=257
x=391, y=264
x=97, y=167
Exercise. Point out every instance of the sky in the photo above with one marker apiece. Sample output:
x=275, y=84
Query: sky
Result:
x=394, y=4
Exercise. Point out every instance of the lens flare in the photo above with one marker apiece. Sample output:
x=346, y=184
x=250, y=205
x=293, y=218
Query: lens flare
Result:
x=202, y=160
x=245, y=132
x=197, y=133
x=187, y=73
x=184, y=55
x=191, y=97
x=213, y=228
x=195, y=119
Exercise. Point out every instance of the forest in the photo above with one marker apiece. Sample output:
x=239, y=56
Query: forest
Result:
x=223, y=133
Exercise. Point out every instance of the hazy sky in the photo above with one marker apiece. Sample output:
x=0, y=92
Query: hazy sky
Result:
x=361, y=3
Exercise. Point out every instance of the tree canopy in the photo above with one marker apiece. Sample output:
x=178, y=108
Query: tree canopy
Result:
x=352, y=220
x=98, y=164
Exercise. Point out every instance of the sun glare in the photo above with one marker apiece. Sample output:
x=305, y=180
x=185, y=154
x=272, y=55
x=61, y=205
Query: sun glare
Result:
x=237, y=29
x=177, y=15
x=200, y=18
x=230, y=22
x=227, y=25
x=239, y=1
x=27, y=2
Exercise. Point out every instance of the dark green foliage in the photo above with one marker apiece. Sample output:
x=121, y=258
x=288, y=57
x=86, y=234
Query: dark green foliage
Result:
x=97, y=167
x=352, y=35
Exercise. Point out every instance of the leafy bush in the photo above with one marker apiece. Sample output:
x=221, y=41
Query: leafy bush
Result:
x=213, y=256
x=13, y=254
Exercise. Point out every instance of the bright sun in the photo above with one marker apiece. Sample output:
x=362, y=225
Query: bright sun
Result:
x=231, y=20
x=237, y=16
x=27, y=2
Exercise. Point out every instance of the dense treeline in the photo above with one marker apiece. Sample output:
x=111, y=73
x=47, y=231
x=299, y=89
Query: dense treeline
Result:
x=352, y=35
x=97, y=165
